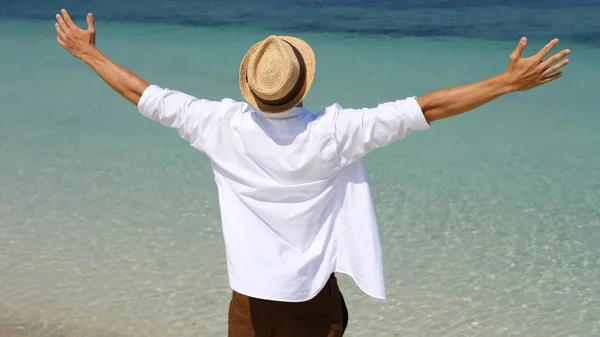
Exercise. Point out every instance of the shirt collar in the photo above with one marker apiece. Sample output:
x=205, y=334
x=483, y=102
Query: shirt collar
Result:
x=294, y=112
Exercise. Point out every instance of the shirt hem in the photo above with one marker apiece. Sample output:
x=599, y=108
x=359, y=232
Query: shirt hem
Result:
x=311, y=295
x=266, y=297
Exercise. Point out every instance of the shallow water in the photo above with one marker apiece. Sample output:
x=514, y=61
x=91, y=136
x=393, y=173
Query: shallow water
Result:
x=110, y=227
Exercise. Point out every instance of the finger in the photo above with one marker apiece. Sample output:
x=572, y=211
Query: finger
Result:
x=62, y=23
x=67, y=18
x=518, y=52
x=547, y=49
x=61, y=42
x=554, y=58
x=60, y=32
x=552, y=77
x=90, y=22
x=555, y=67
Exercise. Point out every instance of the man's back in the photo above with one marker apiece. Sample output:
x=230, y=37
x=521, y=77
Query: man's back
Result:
x=295, y=202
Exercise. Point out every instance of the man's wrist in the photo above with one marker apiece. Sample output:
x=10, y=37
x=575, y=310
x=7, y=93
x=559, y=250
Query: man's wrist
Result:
x=90, y=55
x=504, y=84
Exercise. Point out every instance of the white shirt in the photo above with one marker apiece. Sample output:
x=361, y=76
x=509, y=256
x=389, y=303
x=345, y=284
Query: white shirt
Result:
x=293, y=192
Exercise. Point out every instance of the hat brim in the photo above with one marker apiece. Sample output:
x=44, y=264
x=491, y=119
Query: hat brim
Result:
x=308, y=57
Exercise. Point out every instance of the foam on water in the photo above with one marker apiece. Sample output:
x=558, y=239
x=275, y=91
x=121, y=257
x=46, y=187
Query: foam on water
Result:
x=490, y=221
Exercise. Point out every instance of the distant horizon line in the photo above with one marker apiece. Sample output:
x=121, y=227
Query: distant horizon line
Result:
x=592, y=39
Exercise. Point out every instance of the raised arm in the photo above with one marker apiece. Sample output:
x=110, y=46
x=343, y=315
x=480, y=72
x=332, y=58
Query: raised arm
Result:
x=521, y=74
x=359, y=131
x=191, y=117
x=82, y=44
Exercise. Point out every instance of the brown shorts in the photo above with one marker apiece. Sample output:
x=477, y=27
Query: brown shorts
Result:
x=325, y=315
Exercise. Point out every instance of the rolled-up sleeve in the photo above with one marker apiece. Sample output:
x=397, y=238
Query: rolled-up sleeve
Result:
x=360, y=131
x=191, y=117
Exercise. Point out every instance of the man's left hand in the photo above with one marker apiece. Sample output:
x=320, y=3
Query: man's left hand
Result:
x=75, y=40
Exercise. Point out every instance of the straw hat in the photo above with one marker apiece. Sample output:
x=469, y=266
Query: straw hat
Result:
x=277, y=73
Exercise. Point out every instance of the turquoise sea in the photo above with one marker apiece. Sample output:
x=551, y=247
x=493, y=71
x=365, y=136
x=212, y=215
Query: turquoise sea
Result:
x=490, y=221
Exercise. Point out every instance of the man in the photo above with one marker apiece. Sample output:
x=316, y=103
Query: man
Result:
x=295, y=202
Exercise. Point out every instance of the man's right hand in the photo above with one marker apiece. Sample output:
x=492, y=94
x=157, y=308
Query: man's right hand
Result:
x=75, y=40
x=527, y=73
x=521, y=74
